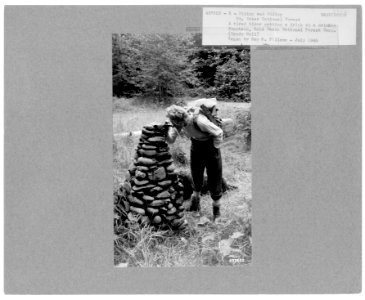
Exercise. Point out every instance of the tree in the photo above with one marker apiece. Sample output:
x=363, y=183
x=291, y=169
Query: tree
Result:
x=126, y=65
x=223, y=72
x=232, y=79
x=164, y=66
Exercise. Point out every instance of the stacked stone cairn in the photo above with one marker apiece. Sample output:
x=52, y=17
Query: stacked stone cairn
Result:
x=153, y=189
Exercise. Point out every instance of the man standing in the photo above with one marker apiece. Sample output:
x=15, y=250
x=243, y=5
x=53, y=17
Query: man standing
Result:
x=206, y=138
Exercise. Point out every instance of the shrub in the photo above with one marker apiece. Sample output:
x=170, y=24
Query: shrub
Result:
x=164, y=66
x=243, y=125
x=232, y=81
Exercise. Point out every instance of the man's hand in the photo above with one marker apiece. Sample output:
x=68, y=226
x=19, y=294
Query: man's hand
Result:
x=167, y=127
x=179, y=127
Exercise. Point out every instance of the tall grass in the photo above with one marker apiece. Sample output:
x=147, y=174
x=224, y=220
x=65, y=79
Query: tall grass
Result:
x=144, y=246
x=129, y=116
x=196, y=245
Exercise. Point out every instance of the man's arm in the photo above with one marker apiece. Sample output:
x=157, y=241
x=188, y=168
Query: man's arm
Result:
x=209, y=127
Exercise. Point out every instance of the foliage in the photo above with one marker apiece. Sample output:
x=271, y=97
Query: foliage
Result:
x=223, y=72
x=150, y=65
x=164, y=66
x=232, y=79
x=126, y=65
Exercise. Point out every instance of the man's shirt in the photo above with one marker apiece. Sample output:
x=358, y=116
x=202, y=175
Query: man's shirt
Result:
x=205, y=131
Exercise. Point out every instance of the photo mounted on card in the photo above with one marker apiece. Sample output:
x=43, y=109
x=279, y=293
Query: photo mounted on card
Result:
x=182, y=132
x=223, y=142
x=182, y=151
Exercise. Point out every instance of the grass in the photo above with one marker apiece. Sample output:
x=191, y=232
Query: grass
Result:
x=129, y=117
x=198, y=245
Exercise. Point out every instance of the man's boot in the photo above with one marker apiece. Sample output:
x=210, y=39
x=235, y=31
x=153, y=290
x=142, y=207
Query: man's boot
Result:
x=216, y=210
x=195, y=204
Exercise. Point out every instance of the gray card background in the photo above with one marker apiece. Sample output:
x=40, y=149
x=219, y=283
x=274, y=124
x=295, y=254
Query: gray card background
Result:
x=58, y=161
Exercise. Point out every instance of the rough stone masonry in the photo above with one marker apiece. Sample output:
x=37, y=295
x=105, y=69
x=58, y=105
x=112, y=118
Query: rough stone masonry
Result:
x=153, y=189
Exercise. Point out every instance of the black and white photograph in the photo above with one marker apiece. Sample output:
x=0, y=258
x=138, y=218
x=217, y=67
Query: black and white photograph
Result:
x=182, y=165
x=222, y=140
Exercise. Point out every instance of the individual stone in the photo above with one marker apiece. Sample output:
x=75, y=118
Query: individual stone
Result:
x=170, y=168
x=171, y=189
x=142, y=168
x=143, y=187
x=157, y=203
x=159, y=174
x=148, y=198
x=127, y=186
x=139, y=197
x=140, y=174
x=170, y=205
x=156, y=189
x=137, y=210
x=147, y=132
x=152, y=211
x=164, y=183
x=164, y=194
x=145, y=161
x=149, y=153
x=134, y=200
x=157, y=220
x=171, y=211
x=156, y=139
x=148, y=147
x=140, y=182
